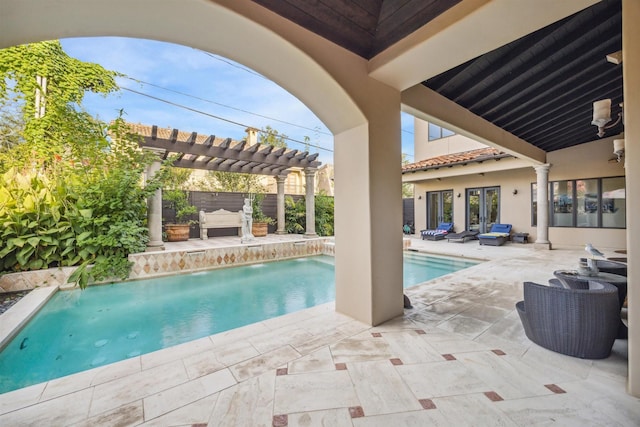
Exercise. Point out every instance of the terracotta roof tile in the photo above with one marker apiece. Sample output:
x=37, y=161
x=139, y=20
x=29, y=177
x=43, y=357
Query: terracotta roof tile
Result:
x=462, y=158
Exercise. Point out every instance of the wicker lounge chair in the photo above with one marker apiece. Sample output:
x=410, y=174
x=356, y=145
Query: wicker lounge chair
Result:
x=462, y=236
x=576, y=322
x=439, y=233
x=498, y=234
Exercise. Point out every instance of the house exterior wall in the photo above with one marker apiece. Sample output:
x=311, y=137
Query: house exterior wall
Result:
x=424, y=149
x=584, y=161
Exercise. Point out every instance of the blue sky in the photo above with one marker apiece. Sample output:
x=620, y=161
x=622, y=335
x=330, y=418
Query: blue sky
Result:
x=210, y=84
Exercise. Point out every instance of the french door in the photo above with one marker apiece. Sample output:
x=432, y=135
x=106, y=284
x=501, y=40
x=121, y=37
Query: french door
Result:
x=439, y=208
x=483, y=208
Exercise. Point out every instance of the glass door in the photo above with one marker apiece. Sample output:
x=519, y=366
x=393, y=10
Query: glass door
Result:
x=483, y=208
x=439, y=208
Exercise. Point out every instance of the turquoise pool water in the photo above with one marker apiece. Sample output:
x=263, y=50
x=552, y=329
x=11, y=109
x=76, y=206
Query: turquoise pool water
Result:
x=79, y=330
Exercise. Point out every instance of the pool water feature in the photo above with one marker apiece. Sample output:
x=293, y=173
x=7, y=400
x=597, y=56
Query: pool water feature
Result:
x=79, y=330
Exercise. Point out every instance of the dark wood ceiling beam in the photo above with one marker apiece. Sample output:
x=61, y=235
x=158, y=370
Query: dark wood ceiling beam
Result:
x=575, y=66
x=192, y=138
x=568, y=104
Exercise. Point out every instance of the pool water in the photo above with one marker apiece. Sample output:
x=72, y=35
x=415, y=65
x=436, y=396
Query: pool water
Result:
x=79, y=330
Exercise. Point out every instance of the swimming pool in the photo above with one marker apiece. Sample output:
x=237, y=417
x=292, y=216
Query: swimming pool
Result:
x=79, y=330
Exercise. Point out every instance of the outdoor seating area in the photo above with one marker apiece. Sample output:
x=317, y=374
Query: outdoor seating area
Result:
x=580, y=322
x=579, y=313
x=463, y=236
x=497, y=236
x=439, y=233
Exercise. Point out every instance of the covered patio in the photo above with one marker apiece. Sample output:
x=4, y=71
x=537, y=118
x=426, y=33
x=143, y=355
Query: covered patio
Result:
x=459, y=357
x=287, y=371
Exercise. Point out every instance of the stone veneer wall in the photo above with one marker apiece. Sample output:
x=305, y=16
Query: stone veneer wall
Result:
x=155, y=264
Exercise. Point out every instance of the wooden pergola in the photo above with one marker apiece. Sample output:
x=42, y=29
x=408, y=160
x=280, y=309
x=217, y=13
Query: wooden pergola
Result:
x=208, y=152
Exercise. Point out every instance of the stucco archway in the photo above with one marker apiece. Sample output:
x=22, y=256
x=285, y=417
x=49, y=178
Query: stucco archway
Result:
x=362, y=113
x=200, y=24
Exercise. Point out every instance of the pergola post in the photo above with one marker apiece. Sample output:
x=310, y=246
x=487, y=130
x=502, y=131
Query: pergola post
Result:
x=154, y=209
x=310, y=177
x=542, y=199
x=280, y=179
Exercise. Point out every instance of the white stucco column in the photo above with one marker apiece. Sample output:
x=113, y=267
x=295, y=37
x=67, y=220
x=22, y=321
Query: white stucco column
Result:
x=280, y=204
x=542, y=198
x=310, y=202
x=368, y=211
x=631, y=78
x=154, y=212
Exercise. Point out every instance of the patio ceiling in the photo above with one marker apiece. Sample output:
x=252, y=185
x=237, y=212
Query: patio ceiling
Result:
x=540, y=88
x=208, y=152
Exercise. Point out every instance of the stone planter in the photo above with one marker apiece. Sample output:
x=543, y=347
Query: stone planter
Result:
x=177, y=232
x=259, y=229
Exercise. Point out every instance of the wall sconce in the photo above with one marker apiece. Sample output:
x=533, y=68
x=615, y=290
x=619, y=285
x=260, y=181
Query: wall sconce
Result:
x=602, y=115
x=515, y=191
x=458, y=195
x=618, y=148
x=419, y=197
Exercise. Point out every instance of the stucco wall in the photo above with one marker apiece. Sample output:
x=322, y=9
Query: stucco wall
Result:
x=583, y=161
x=424, y=149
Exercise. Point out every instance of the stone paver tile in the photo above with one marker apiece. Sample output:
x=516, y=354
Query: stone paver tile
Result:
x=434, y=379
x=602, y=393
x=472, y=410
x=170, y=354
x=21, y=398
x=464, y=325
x=249, y=403
x=62, y=411
x=557, y=409
x=505, y=375
x=381, y=389
x=314, y=391
x=289, y=335
x=221, y=357
x=189, y=392
x=329, y=417
x=243, y=333
x=415, y=418
x=411, y=347
x=116, y=393
x=317, y=361
x=361, y=349
x=195, y=413
x=127, y=415
x=64, y=385
x=263, y=363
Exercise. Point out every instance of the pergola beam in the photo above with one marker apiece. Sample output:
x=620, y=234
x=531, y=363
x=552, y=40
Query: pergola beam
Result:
x=236, y=152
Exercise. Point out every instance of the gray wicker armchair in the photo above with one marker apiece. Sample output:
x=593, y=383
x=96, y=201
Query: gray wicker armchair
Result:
x=576, y=322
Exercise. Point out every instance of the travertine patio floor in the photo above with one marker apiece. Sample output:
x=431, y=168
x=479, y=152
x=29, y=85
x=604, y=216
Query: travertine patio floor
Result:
x=458, y=358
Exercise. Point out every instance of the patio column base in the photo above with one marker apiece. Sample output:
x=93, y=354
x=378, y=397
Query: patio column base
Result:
x=280, y=232
x=542, y=246
x=154, y=246
x=310, y=235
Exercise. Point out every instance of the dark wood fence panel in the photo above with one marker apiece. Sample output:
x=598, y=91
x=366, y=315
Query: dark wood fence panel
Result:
x=408, y=214
x=212, y=201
